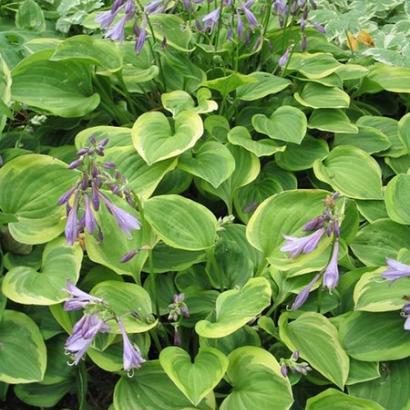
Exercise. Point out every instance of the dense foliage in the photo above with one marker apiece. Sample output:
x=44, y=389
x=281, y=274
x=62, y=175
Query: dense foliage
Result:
x=205, y=205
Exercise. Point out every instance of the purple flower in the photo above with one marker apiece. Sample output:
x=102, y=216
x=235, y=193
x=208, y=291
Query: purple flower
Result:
x=128, y=256
x=303, y=44
x=109, y=165
x=75, y=164
x=84, y=332
x=283, y=60
x=331, y=275
x=125, y=221
x=306, y=244
x=314, y=224
x=66, y=196
x=284, y=370
x=79, y=299
x=71, y=227
x=250, y=17
x=281, y=7
x=95, y=197
x=116, y=32
x=142, y=35
x=406, y=313
x=239, y=26
x=116, y=5
x=90, y=222
x=303, y=295
x=396, y=270
x=132, y=358
x=129, y=9
x=211, y=19
x=319, y=27
x=106, y=18
x=154, y=6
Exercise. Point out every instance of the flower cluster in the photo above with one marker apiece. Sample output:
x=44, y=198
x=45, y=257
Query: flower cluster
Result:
x=92, y=323
x=293, y=365
x=83, y=200
x=325, y=224
x=177, y=310
x=397, y=270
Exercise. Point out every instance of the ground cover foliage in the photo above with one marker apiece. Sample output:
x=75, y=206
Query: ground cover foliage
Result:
x=205, y=205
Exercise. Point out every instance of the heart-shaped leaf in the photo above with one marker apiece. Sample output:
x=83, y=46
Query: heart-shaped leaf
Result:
x=285, y=124
x=117, y=136
x=195, y=379
x=257, y=382
x=18, y=333
x=30, y=187
x=320, y=96
x=61, y=263
x=331, y=120
x=155, y=140
x=396, y=198
x=235, y=307
x=212, y=162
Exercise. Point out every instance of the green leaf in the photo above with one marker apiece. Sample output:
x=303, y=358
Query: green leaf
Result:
x=18, y=333
x=285, y=124
x=300, y=157
x=30, y=16
x=5, y=93
x=374, y=336
x=61, y=263
x=102, y=53
x=198, y=378
x=386, y=77
x=397, y=199
x=30, y=187
x=373, y=294
x=380, y=240
x=314, y=65
x=142, y=179
x=226, y=85
x=334, y=399
x=266, y=84
x=117, y=136
x=177, y=101
x=368, y=139
x=404, y=130
x=212, y=161
x=235, y=307
x=360, y=372
x=331, y=120
x=257, y=382
x=172, y=27
x=61, y=88
x=372, y=210
x=261, y=148
x=128, y=301
x=392, y=390
x=150, y=388
x=319, y=96
x=351, y=171
x=317, y=341
x=155, y=140
x=181, y=222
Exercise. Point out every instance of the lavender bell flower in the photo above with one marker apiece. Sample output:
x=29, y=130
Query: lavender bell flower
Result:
x=306, y=244
x=79, y=299
x=84, y=332
x=281, y=7
x=319, y=27
x=331, y=275
x=75, y=164
x=396, y=270
x=90, y=222
x=284, y=370
x=303, y=295
x=239, y=26
x=283, y=60
x=129, y=255
x=211, y=19
x=154, y=6
x=71, y=227
x=106, y=18
x=250, y=17
x=132, y=358
x=125, y=221
x=406, y=313
x=116, y=32
x=141, y=36
x=66, y=196
x=314, y=224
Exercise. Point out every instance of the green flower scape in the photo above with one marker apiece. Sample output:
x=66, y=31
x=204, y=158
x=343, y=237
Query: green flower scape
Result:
x=205, y=204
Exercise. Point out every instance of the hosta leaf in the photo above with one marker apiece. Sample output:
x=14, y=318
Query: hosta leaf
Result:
x=285, y=124
x=331, y=120
x=227, y=84
x=351, y=171
x=130, y=302
x=373, y=294
x=117, y=136
x=266, y=84
x=314, y=65
x=18, y=333
x=5, y=93
x=360, y=372
x=392, y=390
x=30, y=187
x=155, y=140
x=332, y=398
x=235, y=307
x=61, y=263
x=404, y=130
x=151, y=389
x=62, y=88
x=212, y=161
x=181, y=222
x=300, y=157
x=195, y=379
x=380, y=240
x=374, y=336
x=104, y=54
x=317, y=340
x=265, y=147
x=177, y=101
x=396, y=197
x=319, y=96
x=257, y=382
